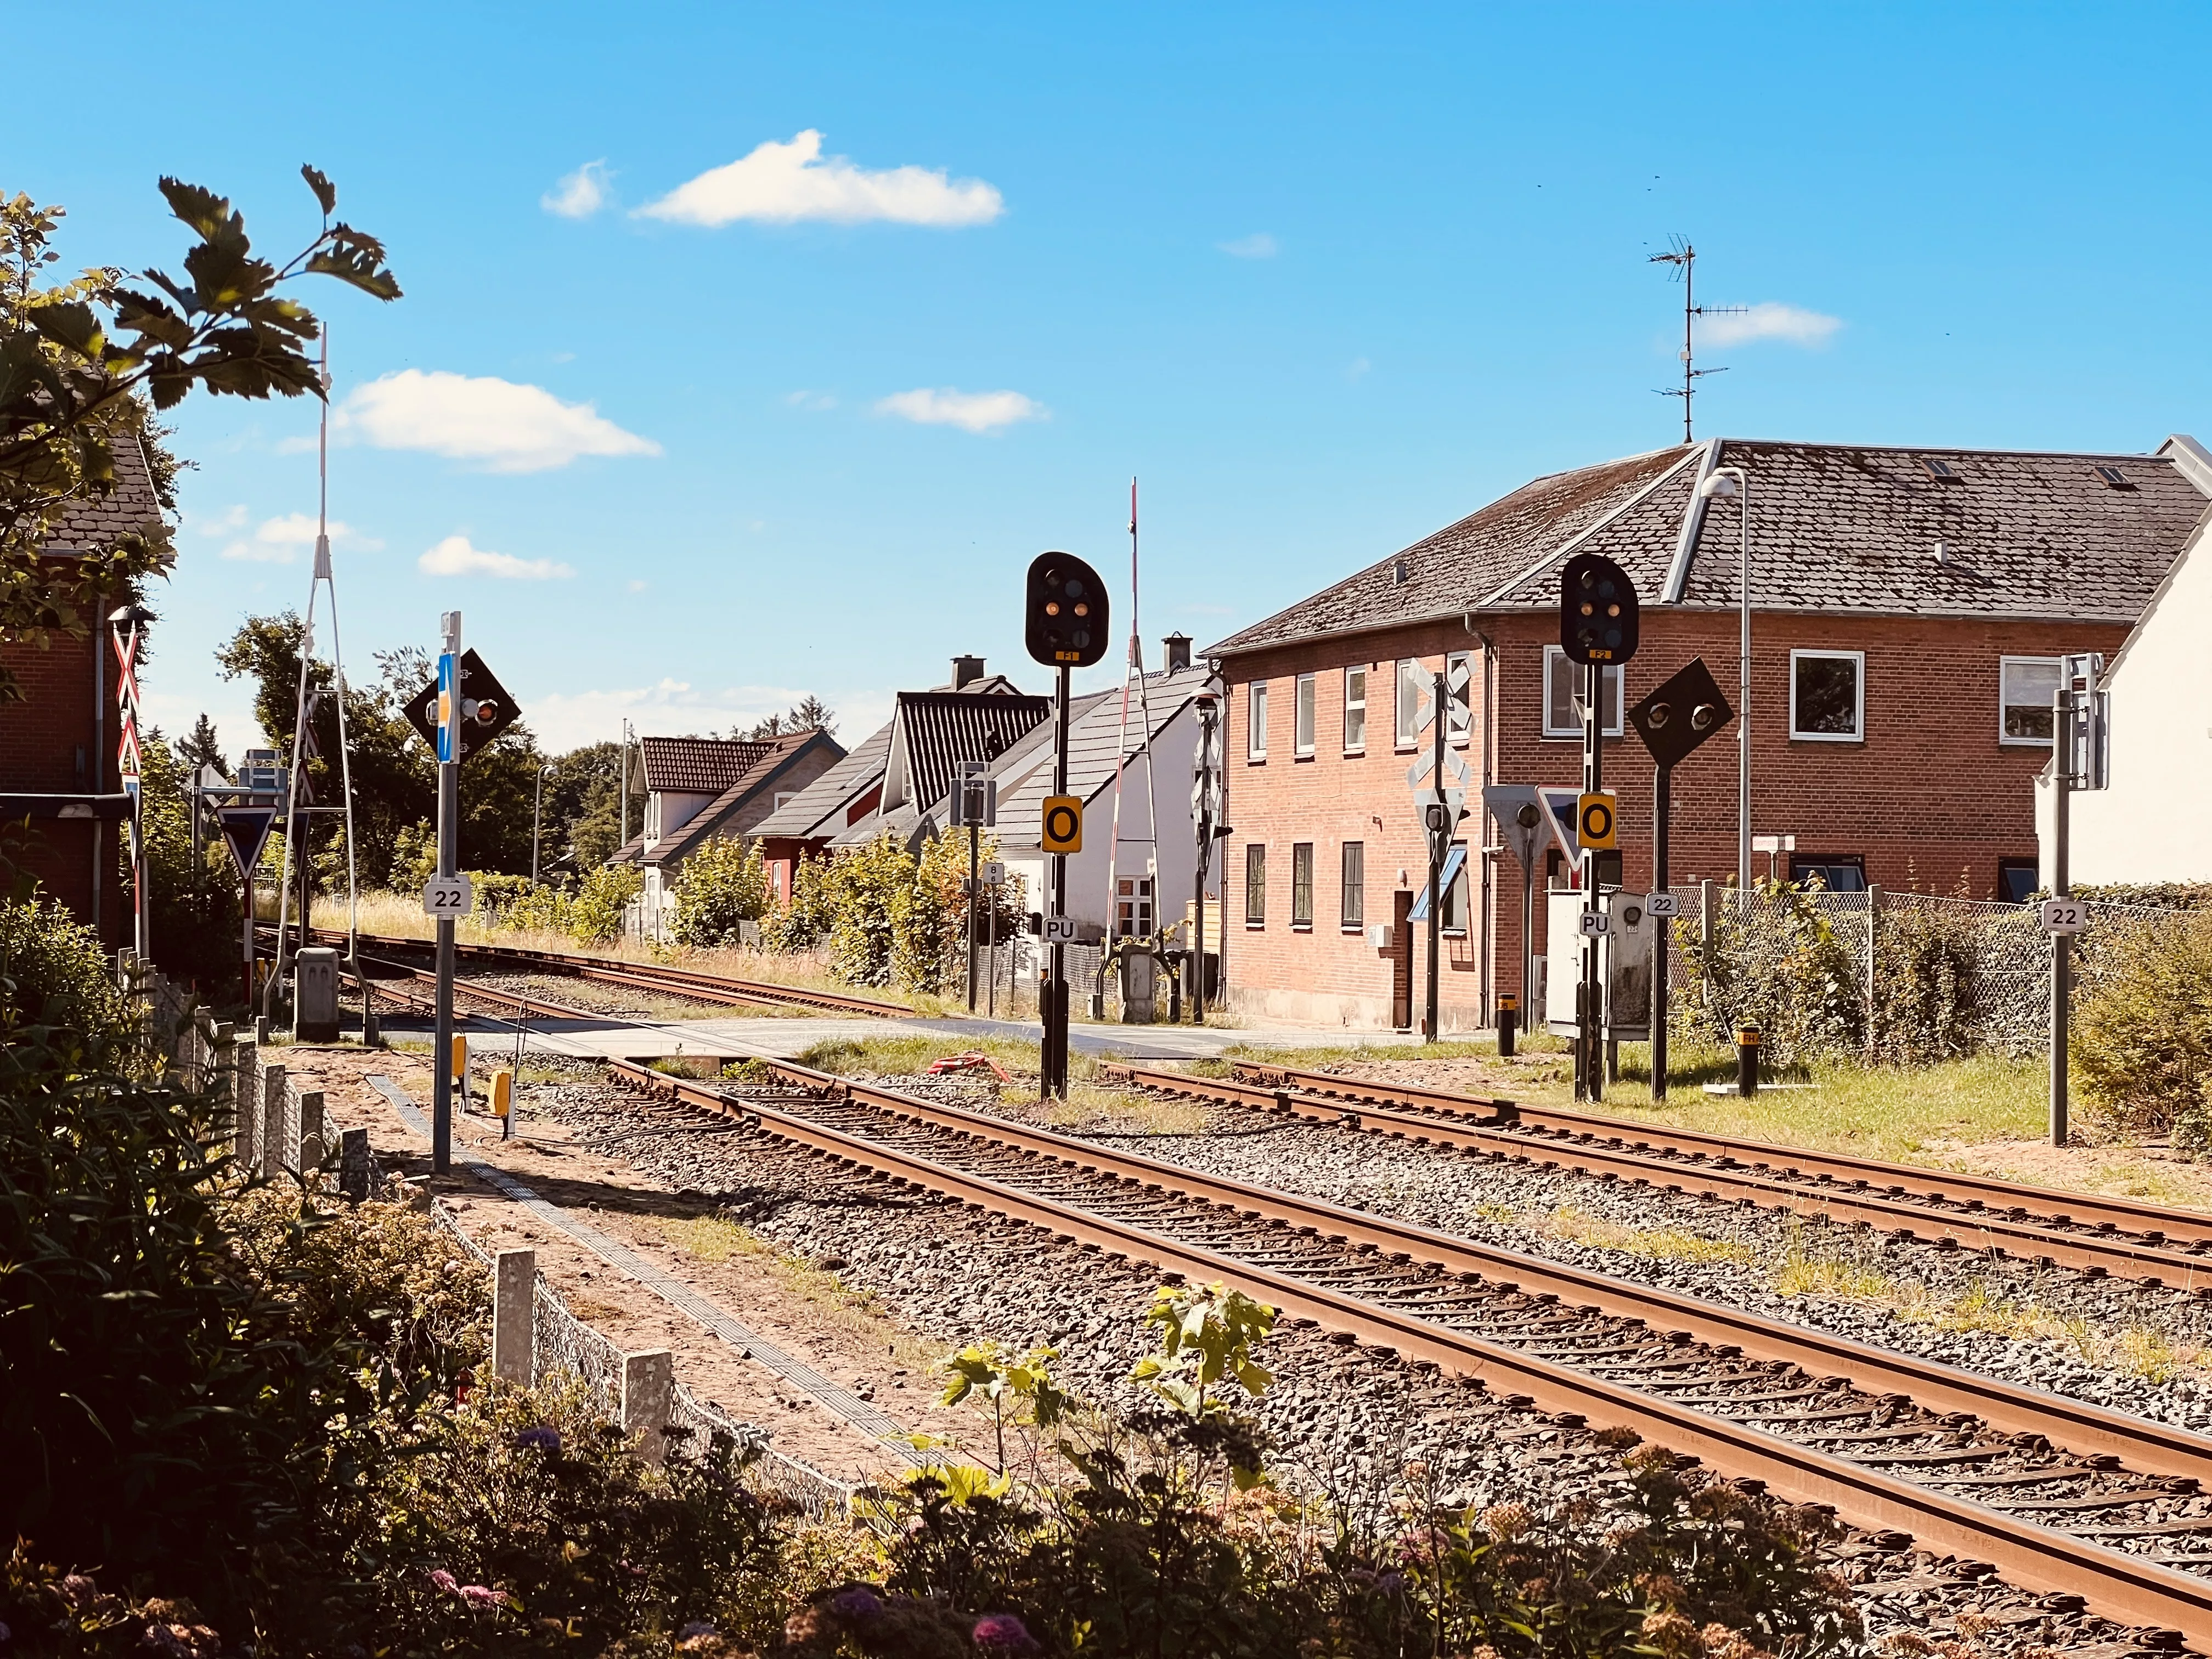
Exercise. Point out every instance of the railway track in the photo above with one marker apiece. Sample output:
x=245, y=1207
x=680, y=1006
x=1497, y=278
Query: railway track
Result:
x=2060, y=1497
x=2094, y=1235
x=637, y=976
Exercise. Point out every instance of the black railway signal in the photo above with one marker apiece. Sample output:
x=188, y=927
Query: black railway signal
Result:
x=1066, y=612
x=1598, y=616
x=1681, y=714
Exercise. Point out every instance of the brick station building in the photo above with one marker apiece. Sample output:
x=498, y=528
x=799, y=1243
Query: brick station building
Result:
x=1908, y=609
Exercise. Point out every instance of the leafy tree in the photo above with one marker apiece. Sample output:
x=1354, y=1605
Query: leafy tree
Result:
x=720, y=885
x=866, y=887
x=194, y=924
x=808, y=714
x=202, y=748
x=80, y=361
x=583, y=807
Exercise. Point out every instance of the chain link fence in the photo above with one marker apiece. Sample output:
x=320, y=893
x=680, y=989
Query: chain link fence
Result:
x=1885, y=975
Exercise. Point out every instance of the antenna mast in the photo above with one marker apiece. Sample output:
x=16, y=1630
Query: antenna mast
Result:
x=1683, y=259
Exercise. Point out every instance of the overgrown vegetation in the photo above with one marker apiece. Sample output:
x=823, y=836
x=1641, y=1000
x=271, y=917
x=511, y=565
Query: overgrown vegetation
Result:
x=723, y=884
x=2143, y=1031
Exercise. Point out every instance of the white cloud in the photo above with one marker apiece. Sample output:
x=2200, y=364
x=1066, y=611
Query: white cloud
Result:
x=1769, y=321
x=580, y=195
x=502, y=426
x=814, y=402
x=971, y=412
x=281, y=539
x=1357, y=368
x=637, y=585
x=1258, y=246
x=782, y=183
x=456, y=556
x=217, y=524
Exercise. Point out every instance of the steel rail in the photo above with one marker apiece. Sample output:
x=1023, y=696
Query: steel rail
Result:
x=2131, y=1590
x=2130, y=1255
x=2151, y=1221
x=679, y=982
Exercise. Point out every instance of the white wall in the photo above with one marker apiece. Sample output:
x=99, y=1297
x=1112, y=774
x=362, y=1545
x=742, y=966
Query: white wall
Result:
x=2155, y=824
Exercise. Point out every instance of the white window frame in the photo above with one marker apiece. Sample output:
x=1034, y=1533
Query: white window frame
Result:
x=2057, y=665
x=1555, y=662
x=1255, y=721
x=1355, y=705
x=1857, y=733
x=1406, y=704
x=1459, y=710
x=1303, y=717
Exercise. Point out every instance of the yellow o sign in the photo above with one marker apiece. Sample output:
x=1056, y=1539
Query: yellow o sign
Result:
x=1063, y=823
x=1597, y=821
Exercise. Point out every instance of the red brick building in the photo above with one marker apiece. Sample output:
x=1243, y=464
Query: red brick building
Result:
x=1908, y=606
x=58, y=787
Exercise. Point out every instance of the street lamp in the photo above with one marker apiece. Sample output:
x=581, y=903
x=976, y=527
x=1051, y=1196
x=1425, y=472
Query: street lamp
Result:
x=1730, y=483
x=536, y=809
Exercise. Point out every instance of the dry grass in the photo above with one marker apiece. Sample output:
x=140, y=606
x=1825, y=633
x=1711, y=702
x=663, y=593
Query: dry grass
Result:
x=1653, y=1243
x=858, y=1313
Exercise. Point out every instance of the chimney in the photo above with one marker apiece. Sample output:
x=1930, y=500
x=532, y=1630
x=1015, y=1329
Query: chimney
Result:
x=966, y=671
x=1178, y=646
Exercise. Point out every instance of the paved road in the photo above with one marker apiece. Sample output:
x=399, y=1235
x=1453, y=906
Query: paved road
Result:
x=786, y=1039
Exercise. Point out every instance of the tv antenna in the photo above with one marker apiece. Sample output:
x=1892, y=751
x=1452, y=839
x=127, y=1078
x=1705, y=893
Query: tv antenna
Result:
x=1683, y=259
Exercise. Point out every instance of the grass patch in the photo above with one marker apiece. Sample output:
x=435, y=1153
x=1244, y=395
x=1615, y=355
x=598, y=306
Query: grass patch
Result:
x=1122, y=1111
x=1653, y=1243
x=862, y=1314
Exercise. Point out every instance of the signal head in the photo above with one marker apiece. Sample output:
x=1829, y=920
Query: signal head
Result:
x=1067, y=612
x=1598, y=610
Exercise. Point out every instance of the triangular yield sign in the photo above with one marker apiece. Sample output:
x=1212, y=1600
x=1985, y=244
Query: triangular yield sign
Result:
x=246, y=831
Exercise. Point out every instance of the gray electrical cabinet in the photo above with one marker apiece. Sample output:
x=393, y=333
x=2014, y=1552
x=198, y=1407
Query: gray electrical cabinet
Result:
x=315, y=993
x=1140, y=984
x=1626, y=951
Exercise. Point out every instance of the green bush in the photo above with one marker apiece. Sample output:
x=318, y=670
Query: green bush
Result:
x=2142, y=1030
x=595, y=915
x=721, y=884
x=54, y=974
x=1924, y=1009
x=1784, y=970
x=864, y=888
x=807, y=919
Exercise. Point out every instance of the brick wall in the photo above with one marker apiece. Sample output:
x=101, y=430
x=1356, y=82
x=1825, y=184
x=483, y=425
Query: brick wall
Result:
x=48, y=744
x=1929, y=799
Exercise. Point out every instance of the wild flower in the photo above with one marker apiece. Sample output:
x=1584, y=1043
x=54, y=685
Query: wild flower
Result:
x=442, y=1580
x=545, y=1437
x=480, y=1596
x=857, y=1604
x=79, y=1589
x=1002, y=1632
x=697, y=1627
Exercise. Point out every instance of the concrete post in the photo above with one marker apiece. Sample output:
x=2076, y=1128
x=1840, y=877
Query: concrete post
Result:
x=271, y=1142
x=648, y=1393
x=353, y=1165
x=515, y=1317
x=246, y=1119
x=307, y=1155
x=1873, y=930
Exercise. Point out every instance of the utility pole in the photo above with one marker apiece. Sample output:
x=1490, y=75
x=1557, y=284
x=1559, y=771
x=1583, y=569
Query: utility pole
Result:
x=1590, y=1064
x=2081, y=723
x=449, y=816
x=1055, y=1019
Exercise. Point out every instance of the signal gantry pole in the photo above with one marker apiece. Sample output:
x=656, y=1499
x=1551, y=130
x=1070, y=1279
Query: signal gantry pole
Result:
x=449, y=816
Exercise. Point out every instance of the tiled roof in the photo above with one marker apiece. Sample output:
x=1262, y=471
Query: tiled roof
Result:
x=1833, y=527
x=700, y=766
x=933, y=731
x=776, y=757
x=96, y=524
x=1443, y=573
x=819, y=810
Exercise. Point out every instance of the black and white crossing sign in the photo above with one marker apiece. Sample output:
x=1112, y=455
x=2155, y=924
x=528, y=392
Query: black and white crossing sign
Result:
x=245, y=832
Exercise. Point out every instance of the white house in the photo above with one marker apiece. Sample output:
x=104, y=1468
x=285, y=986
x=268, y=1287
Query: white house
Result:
x=2154, y=822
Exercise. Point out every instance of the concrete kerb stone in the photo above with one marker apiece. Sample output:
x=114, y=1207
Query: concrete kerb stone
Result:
x=246, y=1105
x=353, y=1165
x=307, y=1155
x=269, y=1144
x=514, y=1313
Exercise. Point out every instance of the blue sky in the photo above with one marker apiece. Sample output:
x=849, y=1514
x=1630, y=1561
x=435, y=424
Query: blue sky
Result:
x=1324, y=279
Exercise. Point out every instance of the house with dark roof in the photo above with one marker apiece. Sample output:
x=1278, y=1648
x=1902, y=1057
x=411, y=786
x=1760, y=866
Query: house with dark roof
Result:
x=1908, y=608
x=698, y=789
x=912, y=754
x=57, y=744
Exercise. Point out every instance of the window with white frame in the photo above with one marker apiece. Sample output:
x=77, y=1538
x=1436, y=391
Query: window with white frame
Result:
x=1460, y=703
x=1409, y=702
x=1355, y=709
x=1827, y=696
x=1453, y=919
x=1563, y=689
x=1301, y=724
x=2026, y=689
x=1255, y=722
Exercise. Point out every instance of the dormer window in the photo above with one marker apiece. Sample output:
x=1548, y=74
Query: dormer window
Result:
x=1940, y=471
x=2114, y=478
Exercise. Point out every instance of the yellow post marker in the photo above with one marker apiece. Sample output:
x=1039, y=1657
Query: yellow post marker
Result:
x=503, y=1091
x=460, y=1058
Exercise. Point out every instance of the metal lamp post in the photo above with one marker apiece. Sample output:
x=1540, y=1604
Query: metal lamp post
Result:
x=1730, y=483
